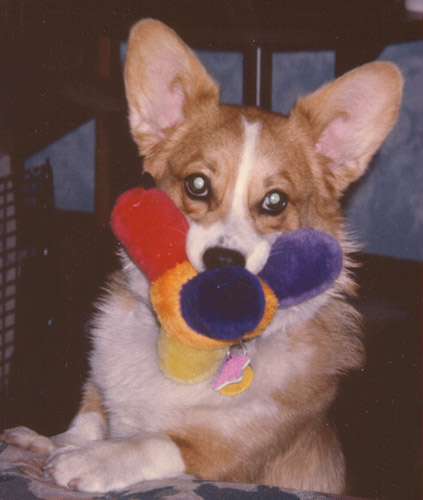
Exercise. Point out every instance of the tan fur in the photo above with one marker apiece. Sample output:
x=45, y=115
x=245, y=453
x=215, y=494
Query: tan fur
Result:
x=176, y=66
x=288, y=161
x=317, y=451
x=276, y=432
x=92, y=401
x=298, y=447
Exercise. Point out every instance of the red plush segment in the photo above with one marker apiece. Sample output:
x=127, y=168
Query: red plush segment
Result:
x=151, y=228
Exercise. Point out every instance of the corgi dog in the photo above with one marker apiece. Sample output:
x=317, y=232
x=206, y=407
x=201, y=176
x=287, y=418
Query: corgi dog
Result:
x=242, y=177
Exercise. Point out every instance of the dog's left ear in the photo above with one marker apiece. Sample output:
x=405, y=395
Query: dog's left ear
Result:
x=351, y=116
x=164, y=83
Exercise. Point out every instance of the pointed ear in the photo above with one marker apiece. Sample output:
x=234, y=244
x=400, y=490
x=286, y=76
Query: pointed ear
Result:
x=350, y=118
x=164, y=80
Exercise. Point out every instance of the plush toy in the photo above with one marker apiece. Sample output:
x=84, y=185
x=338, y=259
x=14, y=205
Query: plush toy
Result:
x=203, y=314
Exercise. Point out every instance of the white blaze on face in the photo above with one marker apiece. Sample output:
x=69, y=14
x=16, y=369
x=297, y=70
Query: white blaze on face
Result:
x=236, y=232
x=240, y=195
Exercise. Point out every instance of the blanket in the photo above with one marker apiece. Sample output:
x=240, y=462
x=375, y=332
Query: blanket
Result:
x=21, y=477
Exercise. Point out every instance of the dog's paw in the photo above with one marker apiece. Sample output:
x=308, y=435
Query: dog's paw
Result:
x=94, y=467
x=29, y=440
x=114, y=465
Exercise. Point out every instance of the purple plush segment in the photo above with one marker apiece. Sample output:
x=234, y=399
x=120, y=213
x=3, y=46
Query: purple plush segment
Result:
x=301, y=265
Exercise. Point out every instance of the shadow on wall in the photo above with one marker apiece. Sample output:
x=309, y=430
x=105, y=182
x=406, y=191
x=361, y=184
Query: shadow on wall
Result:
x=385, y=210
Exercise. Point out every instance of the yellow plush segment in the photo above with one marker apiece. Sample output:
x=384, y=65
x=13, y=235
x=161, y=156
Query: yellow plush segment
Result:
x=164, y=294
x=187, y=364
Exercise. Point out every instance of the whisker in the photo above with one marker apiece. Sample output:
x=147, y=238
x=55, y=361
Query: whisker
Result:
x=176, y=229
x=278, y=252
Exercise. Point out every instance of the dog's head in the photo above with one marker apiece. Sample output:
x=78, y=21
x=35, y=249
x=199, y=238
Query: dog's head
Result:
x=241, y=175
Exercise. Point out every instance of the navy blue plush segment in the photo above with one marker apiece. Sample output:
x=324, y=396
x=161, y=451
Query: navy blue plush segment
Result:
x=301, y=265
x=223, y=303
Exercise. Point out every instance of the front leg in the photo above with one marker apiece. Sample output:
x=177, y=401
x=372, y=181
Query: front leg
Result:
x=102, y=466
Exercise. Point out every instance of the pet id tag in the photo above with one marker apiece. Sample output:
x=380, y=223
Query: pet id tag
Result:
x=235, y=375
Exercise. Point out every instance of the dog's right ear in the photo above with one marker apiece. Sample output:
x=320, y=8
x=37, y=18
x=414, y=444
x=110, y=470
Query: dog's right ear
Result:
x=164, y=82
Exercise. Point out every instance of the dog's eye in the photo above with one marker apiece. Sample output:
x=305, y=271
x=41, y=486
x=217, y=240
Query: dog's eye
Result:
x=274, y=203
x=197, y=186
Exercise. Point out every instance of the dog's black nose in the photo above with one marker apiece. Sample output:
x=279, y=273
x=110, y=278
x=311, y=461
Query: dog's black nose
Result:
x=219, y=257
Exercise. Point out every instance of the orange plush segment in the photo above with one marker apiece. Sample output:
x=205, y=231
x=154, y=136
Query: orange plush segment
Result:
x=165, y=298
x=272, y=305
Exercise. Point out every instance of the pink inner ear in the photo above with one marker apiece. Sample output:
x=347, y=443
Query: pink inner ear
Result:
x=335, y=141
x=169, y=109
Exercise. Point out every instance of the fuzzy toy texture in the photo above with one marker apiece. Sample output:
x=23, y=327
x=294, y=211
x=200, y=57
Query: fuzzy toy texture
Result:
x=186, y=364
x=301, y=265
x=224, y=305
x=207, y=310
x=202, y=314
x=152, y=230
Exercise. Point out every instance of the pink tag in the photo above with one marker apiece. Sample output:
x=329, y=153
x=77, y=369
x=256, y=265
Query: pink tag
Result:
x=231, y=372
